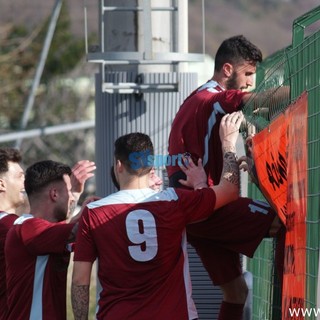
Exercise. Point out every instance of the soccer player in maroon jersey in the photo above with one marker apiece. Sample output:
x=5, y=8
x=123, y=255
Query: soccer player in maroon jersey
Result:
x=11, y=198
x=36, y=250
x=138, y=235
x=239, y=226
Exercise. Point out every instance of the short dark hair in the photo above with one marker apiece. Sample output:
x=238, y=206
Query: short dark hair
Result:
x=235, y=50
x=42, y=173
x=135, y=151
x=8, y=155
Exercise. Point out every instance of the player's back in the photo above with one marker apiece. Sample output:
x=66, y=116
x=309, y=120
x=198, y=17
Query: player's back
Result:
x=141, y=248
x=195, y=128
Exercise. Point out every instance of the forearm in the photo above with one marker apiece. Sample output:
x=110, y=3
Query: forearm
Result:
x=229, y=186
x=230, y=172
x=74, y=204
x=80, y=301
x=262, y=101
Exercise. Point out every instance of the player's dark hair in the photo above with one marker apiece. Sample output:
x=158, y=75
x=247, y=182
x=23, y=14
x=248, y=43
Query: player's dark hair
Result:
x=42, y=173
x=235, y=50
x=135, y=151
x=8, y=155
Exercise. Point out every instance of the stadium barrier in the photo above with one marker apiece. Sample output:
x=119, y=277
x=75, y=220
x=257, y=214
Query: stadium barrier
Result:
x=296, y=66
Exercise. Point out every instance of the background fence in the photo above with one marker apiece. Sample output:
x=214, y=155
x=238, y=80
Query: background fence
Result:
x=298, y=66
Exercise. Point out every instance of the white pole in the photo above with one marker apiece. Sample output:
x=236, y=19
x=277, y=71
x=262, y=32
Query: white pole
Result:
x=27, y=110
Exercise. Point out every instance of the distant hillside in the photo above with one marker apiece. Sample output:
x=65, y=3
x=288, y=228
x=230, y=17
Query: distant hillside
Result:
x=267, y=23
x=32, y=13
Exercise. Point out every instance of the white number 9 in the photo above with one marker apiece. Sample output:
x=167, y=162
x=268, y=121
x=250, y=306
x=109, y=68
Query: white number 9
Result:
x=142, y=231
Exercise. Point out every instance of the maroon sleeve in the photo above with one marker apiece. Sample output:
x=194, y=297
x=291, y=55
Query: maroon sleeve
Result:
x=197, y=205
x=85, y=249
x=229, y=100
x=43, y=237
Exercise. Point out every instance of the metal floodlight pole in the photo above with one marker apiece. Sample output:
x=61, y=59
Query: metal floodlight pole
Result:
x=28, y=107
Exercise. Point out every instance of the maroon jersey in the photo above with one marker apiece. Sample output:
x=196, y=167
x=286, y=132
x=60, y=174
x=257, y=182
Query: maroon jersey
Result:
x=37, y=262
x=6, y=221
x=195, y=128
x=139, y=239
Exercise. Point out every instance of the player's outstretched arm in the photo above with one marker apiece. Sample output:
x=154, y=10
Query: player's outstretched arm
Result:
x=264, y=100
x=80, y=289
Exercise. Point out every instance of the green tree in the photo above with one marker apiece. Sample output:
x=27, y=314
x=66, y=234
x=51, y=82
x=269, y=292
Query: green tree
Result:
x=58, y=98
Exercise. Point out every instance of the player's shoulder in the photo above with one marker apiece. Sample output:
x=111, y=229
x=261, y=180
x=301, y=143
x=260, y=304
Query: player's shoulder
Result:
x=210, y=87
x=6, y=217
x=190, y=194
x=29, y=222
x=176, y=193
x=23, y=218
x=123, y=197
x=168, y=194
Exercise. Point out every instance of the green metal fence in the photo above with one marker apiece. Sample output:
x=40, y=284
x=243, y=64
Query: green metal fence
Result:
x=298, y=65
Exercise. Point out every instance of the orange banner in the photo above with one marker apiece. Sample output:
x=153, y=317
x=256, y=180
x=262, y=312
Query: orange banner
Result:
x=294, y=277
x=280, y=157
x=270, y=158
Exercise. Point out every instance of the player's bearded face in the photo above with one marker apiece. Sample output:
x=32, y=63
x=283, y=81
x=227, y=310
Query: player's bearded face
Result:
x=65, y=209
x=232, y=82
x=242, y=76
x=66, y=202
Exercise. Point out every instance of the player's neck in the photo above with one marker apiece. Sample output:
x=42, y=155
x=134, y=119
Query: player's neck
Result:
x=42, y=211
x=219, y=80
x=6, y=206
x=134, y=182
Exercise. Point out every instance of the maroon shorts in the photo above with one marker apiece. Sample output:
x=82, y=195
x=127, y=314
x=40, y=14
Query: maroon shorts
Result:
x=234, y=229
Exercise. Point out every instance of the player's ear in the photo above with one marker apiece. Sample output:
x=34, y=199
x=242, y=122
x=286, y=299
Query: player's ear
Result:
x=119, y=166
x=53, y=194
x=227, y=69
